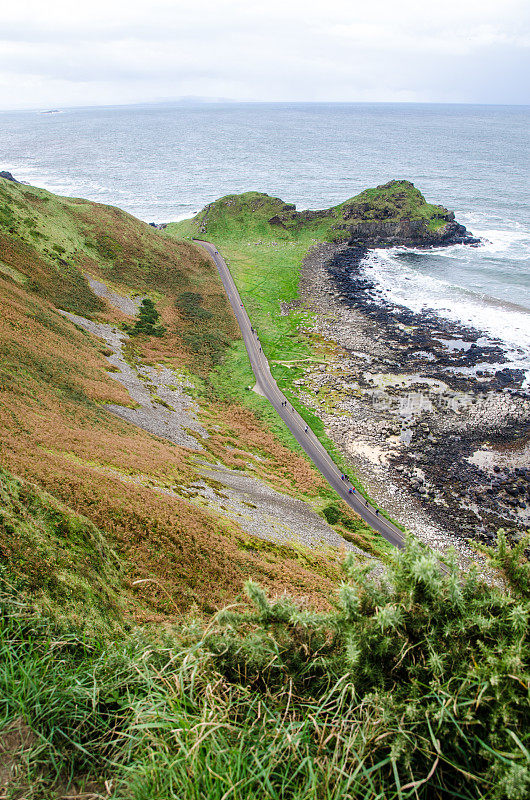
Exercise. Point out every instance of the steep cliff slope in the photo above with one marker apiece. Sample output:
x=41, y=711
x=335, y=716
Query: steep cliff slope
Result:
x=129, y=430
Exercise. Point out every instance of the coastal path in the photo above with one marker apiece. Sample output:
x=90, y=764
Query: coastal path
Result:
x=267, y=386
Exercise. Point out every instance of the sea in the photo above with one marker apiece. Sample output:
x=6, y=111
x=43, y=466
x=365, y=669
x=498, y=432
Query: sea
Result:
x=164, y=162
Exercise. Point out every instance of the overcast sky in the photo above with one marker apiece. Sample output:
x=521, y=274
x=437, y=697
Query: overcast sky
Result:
x=125, y=51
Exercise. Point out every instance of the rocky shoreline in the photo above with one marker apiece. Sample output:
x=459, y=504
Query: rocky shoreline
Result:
x=427, y=410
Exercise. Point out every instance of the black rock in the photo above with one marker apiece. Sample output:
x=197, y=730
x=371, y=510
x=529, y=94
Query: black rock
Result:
x=8, y=177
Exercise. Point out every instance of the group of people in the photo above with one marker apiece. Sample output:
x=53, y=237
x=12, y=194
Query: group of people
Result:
x=253, y=331
x=351, y=490
x=344, y=477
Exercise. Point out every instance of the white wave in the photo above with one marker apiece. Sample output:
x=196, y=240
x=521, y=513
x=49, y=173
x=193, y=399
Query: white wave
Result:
x=414, y=289
x=36, y=176
x=513, y=244
x=507, y=243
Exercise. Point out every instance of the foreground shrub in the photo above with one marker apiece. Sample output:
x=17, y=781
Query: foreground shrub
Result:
x=414, y=686
x=421, y=677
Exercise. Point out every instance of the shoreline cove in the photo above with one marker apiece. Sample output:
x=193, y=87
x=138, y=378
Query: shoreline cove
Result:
x=412, y=399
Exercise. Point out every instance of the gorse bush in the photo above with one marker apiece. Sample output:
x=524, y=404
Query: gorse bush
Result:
x=211, y=344
x=414, y=686
x=148, y=319
x=434, y=667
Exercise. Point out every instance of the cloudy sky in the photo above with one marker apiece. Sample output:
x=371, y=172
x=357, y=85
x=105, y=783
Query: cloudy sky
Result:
x=126, y=51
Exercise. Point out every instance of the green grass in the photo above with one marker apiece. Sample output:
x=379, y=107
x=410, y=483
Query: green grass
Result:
x=58, y=558
x=233, y=378
x=394, y=201
x=265, y=262
x=49, y=242
x=17, y=276
x=266, y=272
x=416, y=686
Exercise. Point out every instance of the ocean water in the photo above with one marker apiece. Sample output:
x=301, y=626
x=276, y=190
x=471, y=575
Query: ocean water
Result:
x=163, y=163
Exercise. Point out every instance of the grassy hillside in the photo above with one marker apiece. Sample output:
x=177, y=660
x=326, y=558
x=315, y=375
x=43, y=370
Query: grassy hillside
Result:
x=133, y=487
x=259, y=215
x=48, y=244
x=416, y=687
x=265, y=261
x=409, y=685
x=58, y=558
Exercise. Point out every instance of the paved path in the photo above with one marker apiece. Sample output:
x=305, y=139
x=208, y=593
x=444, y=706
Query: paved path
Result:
x=303, y=435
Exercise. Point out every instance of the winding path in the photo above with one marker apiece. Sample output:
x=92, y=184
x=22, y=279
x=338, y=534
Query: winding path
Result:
x=303, y=435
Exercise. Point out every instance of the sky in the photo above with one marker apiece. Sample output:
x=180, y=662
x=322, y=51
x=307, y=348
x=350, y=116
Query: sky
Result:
x=108, y=52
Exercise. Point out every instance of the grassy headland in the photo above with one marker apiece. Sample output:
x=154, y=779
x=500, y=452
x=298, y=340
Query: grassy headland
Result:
x=393, y=203
x=265, y=241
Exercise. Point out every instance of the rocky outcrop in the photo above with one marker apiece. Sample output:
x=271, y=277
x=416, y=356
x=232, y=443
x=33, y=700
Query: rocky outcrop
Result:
x=405, y=233
x=393, y=214
x=8, y=177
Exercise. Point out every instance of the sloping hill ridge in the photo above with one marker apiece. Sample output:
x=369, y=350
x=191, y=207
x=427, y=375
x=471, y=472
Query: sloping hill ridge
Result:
x=395, y=213
x=181, y=536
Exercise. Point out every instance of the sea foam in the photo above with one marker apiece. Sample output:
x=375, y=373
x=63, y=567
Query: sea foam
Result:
x=405, y=279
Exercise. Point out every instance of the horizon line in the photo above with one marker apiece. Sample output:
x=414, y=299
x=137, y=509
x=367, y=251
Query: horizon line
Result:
x=198, y=101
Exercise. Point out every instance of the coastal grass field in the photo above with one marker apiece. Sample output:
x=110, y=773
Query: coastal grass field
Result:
x=265, y=262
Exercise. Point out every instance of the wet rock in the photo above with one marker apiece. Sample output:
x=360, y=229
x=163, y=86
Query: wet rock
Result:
x=439, y=416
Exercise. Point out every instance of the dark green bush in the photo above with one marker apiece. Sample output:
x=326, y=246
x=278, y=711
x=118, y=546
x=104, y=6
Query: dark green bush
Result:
x=147, y=322
x=434, y=668
x=416, y=685
x=209, y=343
x=189, y=304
